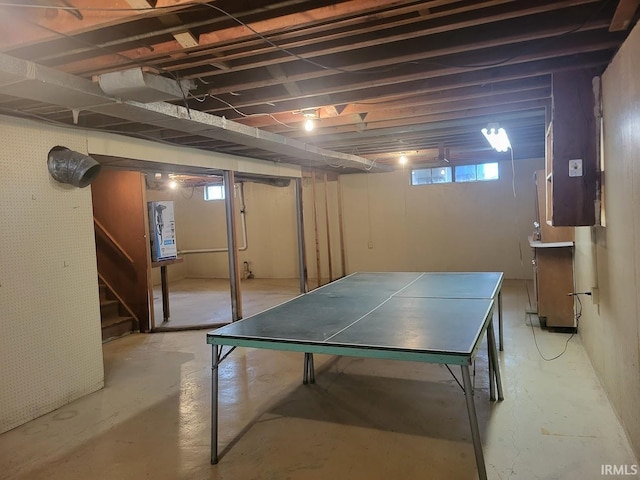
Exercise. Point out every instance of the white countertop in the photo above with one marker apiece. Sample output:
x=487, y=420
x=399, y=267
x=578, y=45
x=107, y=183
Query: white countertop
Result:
x=537, y=244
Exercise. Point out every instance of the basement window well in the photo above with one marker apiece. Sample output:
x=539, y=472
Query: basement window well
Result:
x=427, y=176
x=214, y=192
x=477, y=173
x=460, y=173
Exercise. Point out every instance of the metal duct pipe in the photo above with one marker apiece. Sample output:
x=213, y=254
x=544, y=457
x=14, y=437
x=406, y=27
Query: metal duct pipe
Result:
x=67, y=166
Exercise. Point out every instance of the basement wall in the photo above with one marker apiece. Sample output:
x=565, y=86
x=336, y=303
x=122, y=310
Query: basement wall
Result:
x=609, y=257
x=50, y=341
x=272, y=244
x=51, y=346
x=270, y=225
x=480, y=226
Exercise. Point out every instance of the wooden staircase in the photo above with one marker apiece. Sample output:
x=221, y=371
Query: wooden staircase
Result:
x=114, y=319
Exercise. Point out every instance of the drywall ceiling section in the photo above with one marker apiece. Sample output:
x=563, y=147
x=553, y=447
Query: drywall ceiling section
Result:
x=58, y=88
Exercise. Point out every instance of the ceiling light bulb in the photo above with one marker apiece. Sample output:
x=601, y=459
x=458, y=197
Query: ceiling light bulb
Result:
x=403, y=159
x=308, y=124
x=173, y=184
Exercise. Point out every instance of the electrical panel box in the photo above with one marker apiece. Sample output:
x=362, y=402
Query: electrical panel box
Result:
x=162, y=231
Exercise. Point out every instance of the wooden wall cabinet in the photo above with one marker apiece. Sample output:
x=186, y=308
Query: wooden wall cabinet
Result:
x=571, y=135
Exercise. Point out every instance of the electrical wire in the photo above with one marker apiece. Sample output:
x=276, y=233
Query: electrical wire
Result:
x=242, y=114
x=299, y=57
x=566, y=344
x=552, y=39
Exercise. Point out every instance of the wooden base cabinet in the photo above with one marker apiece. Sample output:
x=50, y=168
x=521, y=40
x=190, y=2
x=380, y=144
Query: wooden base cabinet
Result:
x=553, y=266
x=554, y=281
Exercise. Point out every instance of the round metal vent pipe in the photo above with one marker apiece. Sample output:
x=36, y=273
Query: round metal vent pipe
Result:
x=67, y=166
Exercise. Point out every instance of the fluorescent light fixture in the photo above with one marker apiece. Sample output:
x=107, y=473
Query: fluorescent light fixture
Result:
x=497, y=137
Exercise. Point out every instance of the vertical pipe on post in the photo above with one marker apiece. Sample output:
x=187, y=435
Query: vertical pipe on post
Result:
x=232, y=244
x=302, y=261
x=326, y=211
x=340, y=225
x=315, y=224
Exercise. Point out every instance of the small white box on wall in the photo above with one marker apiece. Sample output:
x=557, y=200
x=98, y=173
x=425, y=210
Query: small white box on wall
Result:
x=162, y=230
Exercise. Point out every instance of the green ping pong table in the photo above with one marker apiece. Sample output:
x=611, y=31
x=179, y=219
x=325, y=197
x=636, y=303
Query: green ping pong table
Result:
x=393, y=315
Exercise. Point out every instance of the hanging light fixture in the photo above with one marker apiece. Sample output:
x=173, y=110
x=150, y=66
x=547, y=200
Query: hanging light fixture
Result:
x=310, y=114
x=497, y=137
x=309, y=124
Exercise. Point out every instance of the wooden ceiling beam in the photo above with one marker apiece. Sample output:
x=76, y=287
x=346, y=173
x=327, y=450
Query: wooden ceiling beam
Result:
x=109, y=62
x=625, y=11
x=158, y=52
x=445, y=94
x=23, y=26
x=237, y=85
x=335, y=93
x=415, y=114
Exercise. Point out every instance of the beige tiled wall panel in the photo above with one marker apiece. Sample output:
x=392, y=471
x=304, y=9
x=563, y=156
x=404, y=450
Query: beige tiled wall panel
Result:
x=50, y=341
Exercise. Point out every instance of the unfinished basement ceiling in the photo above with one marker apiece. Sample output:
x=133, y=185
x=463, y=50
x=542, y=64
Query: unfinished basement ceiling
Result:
x=385, y=78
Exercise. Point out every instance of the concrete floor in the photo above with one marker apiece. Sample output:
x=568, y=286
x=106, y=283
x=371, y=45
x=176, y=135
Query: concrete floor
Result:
x=201, y=302
x=364, y=419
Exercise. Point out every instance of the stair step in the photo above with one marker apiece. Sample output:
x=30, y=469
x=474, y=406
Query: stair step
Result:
x=104, y=292
x=109, y=308
x=116, y=327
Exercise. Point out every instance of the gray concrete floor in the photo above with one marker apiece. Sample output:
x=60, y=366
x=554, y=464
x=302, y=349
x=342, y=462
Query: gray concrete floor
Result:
x=363, y=419
x=198, y=302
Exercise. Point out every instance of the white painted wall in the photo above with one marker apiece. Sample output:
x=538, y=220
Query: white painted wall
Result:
x=609, y=257
x=270, y=214
x=391, y=225
x=50, y=340
x=458, y=227
x=50, y=345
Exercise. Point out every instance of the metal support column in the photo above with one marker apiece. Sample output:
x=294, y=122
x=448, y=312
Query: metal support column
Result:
x=302, y=262
x=232, y=245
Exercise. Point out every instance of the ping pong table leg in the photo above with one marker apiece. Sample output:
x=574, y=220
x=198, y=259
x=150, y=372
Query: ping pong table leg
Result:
x=500, y=335
x=493, y=353
x=215, y=362
x=305, y=369
x=312, y=370
x=491, y=360
x=473, y=421
x=308, y=373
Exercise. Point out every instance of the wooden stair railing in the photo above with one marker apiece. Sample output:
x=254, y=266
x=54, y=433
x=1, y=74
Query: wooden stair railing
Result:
x=103, y=231
x=112, y=240
x=119, y=298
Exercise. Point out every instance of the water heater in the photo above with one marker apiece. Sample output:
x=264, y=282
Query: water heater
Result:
x=162, y=231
